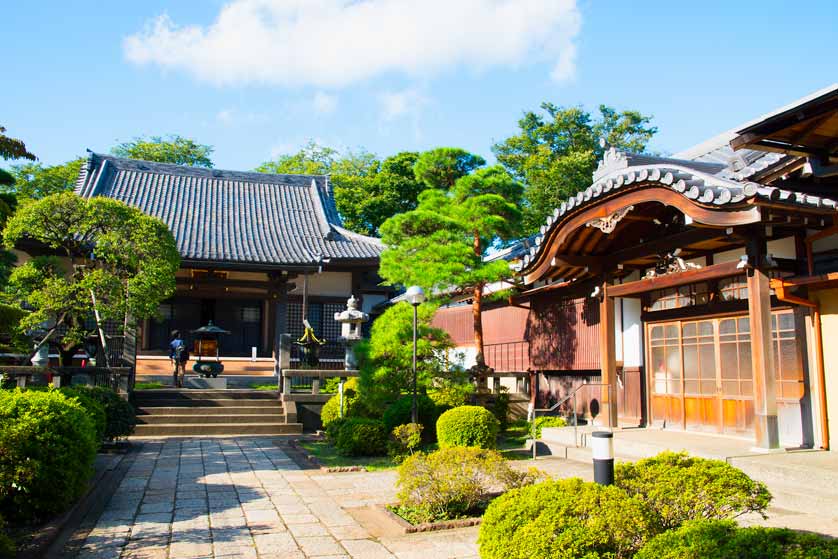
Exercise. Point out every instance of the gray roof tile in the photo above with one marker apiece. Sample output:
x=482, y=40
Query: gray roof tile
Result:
x=230, y=216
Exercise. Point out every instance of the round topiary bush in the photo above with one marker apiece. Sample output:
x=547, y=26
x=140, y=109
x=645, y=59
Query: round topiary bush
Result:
x=723, y=539
x=47, y=446
x=93, y=408
x=359, y=436
x=680, y=487
x=467, y=426
x=565, y=519
x=399, y=413
x=120, y=414
x=352, y=405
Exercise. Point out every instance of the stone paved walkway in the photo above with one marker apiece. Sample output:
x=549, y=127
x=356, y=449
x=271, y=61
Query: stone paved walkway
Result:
x=244, y=498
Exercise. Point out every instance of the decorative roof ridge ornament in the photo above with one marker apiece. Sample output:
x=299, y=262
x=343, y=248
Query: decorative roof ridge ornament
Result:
x=609, y=223
x=612, y=160
x=670, y=263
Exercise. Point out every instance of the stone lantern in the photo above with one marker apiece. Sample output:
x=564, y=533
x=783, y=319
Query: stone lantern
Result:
x=350, y=321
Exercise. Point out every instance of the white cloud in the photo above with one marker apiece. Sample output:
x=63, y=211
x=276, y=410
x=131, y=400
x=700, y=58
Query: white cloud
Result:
x=396, y=104
x=332, y=43
x=232, y=116
x=324, y=103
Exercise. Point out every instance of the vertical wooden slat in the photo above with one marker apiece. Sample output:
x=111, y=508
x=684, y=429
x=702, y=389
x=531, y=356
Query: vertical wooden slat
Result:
x=608, y=356
x=762, y=358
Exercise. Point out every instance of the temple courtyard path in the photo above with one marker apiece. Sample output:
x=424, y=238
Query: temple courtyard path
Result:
x=245, y=498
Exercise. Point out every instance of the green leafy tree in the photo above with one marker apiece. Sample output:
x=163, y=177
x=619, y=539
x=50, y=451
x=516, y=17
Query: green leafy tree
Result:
x=33, y=181
x=365, y=202
x=556, y=152
x=171, y=149
x=386, y=359
x=442, y=243
x=12, y=148
x=367, y=191
x=111, y=251
x=442, y=167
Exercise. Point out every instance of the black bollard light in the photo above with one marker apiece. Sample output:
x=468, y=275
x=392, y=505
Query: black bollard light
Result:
x=602, y=449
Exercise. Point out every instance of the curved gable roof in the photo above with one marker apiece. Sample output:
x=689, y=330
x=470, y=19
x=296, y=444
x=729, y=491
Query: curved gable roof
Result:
x=234, y=217
x=711, y=198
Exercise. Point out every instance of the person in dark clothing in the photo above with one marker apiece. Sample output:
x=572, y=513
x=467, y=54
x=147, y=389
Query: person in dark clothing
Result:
x=179, y=355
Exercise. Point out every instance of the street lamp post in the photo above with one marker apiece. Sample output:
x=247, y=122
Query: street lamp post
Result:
x=415, y=296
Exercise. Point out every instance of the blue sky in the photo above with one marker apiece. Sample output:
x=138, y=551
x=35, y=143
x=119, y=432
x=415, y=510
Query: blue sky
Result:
x=393, y=75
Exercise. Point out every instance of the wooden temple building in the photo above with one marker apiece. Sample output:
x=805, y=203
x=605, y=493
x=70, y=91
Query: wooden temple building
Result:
x=259, y=251
x=697, y=292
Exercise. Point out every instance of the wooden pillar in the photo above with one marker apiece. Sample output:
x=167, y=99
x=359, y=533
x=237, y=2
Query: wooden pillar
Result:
x=607, y=358
x=762, y=357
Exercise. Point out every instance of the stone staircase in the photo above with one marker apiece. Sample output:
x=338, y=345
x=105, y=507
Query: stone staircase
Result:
x=190, y=413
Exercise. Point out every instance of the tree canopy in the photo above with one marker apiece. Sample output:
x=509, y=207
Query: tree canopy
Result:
x=33, y=181
x=12, y=148
x=441, y=167
x=125, y=258
x=367, y=190
x=441, y=244
x=556, y=151
x=170, y=149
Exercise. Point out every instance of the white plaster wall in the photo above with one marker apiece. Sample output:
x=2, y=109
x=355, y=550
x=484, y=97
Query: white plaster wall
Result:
x=728, y=256
x=629, y=339
x=822, y=245
x=328, y=284
x=782, y=248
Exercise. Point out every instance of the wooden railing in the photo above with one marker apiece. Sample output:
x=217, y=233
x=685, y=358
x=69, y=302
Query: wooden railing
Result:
x=508, y=356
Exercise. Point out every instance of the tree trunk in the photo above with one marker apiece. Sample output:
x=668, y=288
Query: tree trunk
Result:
x=65, y=355
x=477, y=314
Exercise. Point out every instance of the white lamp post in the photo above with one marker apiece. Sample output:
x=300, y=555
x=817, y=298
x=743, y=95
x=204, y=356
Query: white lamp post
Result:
x=415, y=296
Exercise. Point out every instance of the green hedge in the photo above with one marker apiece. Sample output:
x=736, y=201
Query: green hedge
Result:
x=120, y=414
x=7, y=544
x=548, y=421
x=47, y=446
x=93, y=408
x=722, y=539
x=565, y=519
x=359, y=436
x=680, y=487
x=399, y=413
x=467, y=426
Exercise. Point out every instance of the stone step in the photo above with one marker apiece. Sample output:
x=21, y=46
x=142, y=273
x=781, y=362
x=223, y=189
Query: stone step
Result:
x=187, y=403
x=257, y=409
x=199, y=394
x=157, y=419
x=211, y=429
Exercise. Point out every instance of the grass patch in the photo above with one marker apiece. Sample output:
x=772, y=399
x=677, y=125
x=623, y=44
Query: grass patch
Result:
x=329, y=457
x=263, y=387
x=149, y=385
x=515, y=436
x=416, y=516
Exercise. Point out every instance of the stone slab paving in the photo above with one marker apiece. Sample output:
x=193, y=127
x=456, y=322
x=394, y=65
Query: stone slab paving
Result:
x=229, y=498
x=232, y=498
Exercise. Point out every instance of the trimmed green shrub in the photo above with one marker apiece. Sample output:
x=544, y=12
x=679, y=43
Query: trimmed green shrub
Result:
x=7, y=544
x=449, y=393
x=565, y=519
x=334, y=428
x=400, y=411
x=467, y=426
x=547, y=421
x=723, y=539
x=500, y=408
x=47, y=446
x=93, y=408
x=681, y=487
x=359, y=436
x=405, y=440
x=453, y=482
x=120, y=414
x=352, y=406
